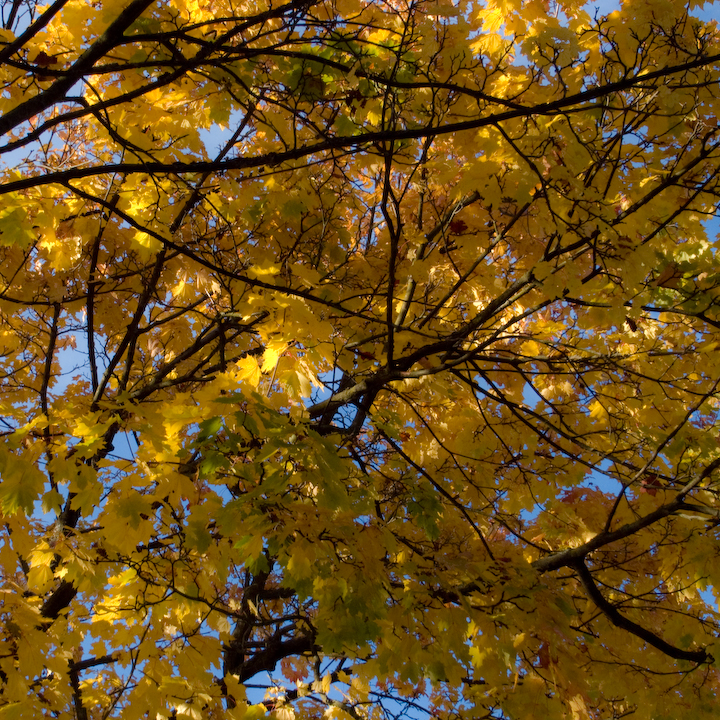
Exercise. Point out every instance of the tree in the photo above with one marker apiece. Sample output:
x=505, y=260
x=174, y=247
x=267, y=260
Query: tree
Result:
x=359, y=360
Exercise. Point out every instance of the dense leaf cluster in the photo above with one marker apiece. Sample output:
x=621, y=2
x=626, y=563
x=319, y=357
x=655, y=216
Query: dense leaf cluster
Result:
x=357, y=359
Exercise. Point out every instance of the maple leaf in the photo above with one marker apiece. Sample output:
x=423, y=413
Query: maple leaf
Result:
x=364, y=353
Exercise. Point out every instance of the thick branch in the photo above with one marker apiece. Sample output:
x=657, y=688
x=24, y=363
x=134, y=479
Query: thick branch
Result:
x=273, y=159
x=57, y=91
x=80, y=709
x=58, y=601
x=274, y=652
x=571, y=556
x=612, y=614
x=32, y=30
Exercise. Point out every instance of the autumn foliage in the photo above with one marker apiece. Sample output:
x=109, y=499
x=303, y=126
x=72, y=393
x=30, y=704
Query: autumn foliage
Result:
x=359, y=359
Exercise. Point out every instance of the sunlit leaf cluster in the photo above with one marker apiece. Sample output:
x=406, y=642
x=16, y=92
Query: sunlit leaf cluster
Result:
x=358, y=360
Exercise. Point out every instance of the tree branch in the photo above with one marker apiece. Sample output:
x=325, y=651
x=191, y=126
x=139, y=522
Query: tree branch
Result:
x=612, y=614
x=344, y=142
x=58, y=90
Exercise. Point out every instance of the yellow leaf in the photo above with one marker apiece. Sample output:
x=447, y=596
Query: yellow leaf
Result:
x=492, y=19
x=14, y=711
x=248, y=371
x=273, y=351
x=597, y=410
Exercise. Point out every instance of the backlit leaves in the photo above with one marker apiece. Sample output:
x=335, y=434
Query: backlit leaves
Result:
x=358, y=360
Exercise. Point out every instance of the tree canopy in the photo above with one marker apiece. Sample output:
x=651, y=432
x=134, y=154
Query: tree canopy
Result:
x=359, y=359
